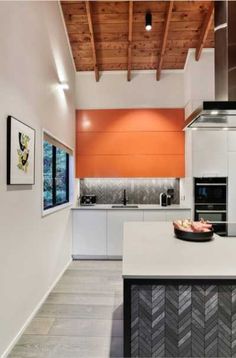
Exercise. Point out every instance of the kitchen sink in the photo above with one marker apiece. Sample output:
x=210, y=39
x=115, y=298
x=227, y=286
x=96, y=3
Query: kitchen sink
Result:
x=125, y=206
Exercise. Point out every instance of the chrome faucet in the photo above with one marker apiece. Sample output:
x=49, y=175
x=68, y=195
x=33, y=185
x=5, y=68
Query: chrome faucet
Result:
x=125, y=198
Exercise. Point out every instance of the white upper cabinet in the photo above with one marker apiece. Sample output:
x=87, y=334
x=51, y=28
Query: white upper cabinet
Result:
x=209, y=153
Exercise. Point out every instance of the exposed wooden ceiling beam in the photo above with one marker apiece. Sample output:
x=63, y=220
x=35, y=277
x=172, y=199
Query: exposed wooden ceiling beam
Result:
x=130, y=39
x=90, y=24
x=110, y=21
x=164, y=39
x=204, y=31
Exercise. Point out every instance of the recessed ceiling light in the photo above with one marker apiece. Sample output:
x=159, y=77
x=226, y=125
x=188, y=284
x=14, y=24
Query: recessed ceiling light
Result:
x=194, y=129
x=214, y=112
x=64, y=86
x=225, y=129
x=148, y=21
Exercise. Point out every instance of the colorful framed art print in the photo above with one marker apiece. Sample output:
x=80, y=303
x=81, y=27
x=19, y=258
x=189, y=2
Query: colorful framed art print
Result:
x=20, y=153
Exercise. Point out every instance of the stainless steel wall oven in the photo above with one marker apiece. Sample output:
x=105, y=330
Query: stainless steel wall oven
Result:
x=210, y=202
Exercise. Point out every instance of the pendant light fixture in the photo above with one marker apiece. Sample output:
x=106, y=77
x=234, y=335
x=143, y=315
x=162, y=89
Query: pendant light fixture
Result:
x=148, y=21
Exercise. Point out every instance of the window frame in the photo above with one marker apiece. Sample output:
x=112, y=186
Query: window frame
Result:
x=69, y=177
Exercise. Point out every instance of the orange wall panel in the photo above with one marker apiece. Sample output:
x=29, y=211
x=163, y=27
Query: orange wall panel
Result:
x=120, y=143
x=130, y=143
x=128, y=166
x=129, y=120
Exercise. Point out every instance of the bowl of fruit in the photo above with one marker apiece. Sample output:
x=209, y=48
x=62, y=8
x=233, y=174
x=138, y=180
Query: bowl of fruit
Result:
x=193, y=230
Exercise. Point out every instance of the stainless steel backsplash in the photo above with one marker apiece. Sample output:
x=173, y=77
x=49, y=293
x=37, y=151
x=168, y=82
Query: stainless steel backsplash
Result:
x=139, y=191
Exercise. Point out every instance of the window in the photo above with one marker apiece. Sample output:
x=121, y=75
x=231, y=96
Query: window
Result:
x=55, y=173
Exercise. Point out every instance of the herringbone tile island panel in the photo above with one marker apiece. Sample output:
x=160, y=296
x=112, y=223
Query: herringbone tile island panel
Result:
x=183, y=320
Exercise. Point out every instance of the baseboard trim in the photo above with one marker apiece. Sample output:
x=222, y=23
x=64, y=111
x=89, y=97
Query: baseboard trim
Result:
x=89, y=257
x=96, y=257
x=115, y=257
x=29, y=319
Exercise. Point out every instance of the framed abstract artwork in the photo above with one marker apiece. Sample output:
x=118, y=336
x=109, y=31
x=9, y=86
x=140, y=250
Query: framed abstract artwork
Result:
x=20, y=153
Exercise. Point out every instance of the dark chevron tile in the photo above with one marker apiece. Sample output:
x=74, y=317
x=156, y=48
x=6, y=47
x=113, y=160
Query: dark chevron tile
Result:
x=139, y=191
x=198, y=321
x=135, y=321
x=211, y=321
x=171, y=321
x=183, y=321
x=233, y=321
x=224, y=320
x=145, y=321
x=158, y=321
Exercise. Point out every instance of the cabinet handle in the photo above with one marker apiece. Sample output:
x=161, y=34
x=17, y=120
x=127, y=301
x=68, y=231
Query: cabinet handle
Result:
x=210, y=211
x=210, y=184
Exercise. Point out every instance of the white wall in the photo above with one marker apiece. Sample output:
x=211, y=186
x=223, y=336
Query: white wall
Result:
x=176, y=89
x=199, y=80
x=143, y=91
x=33, y=250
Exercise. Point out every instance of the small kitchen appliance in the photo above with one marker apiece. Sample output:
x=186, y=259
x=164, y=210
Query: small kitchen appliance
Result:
x=168, y=199
x=163, y=199
x=170, y=196
x=88, y=200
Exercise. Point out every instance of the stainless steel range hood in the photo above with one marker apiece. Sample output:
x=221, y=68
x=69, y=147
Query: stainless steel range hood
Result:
x=213, y=115
x=221, y=114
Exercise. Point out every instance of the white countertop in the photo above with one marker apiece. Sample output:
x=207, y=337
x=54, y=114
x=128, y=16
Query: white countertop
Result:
x=140, y=207
x=150, y=250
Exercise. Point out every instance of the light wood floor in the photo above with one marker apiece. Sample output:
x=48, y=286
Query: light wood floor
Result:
x=82, y=317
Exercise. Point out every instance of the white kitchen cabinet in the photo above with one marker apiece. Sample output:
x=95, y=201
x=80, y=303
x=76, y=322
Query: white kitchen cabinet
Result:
x=232, y=187
x=89, y=233
x=154, y=215
x=172, y=215
x=209, y=153
x=115, y=226
x=99, y=233
x=166, y=215
x=231, y=141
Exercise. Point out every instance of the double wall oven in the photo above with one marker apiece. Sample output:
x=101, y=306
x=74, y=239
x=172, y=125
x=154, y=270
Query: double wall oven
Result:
x=211, y=202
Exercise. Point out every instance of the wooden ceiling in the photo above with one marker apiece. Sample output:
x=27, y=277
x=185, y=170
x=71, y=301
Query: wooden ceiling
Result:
x=108, y=35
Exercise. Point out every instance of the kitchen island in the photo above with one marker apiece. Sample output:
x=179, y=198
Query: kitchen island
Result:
x=179, y=297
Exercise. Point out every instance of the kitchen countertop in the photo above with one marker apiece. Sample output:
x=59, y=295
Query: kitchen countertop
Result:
x=140, y=207
x=150, y=250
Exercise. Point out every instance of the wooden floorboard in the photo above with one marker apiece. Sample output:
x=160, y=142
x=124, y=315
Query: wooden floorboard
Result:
x=97, y=298
x=40, y=325
x=82, y=316
x=80, y=311
x=87, y=328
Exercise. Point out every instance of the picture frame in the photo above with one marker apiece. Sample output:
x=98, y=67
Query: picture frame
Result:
x=20, y=153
